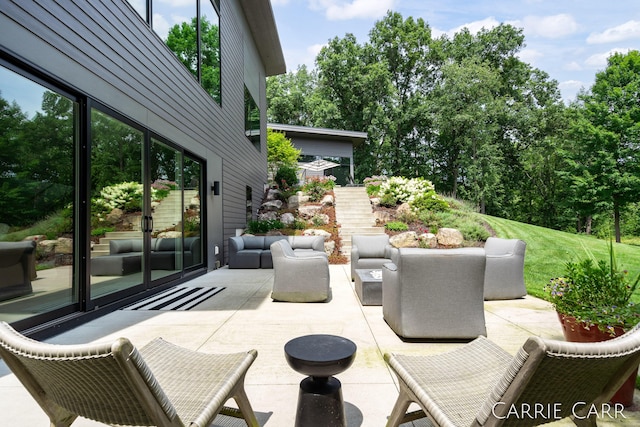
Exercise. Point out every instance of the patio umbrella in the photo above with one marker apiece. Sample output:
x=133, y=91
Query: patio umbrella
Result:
x=318, y=165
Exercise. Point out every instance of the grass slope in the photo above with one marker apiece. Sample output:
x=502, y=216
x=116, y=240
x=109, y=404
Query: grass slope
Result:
x=548, y=251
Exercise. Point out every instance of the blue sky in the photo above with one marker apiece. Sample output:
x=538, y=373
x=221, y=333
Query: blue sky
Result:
x=569, y=39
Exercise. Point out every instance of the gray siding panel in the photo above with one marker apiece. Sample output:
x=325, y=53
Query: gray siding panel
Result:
x=103, y=49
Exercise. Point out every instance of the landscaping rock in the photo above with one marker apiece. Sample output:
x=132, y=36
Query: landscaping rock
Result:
x=428, y=240
x=329, y=247
x=272, y=205
x=375, y=201
x=327, y=200
x=47, y=247
x=295, y=201
x=272, y=194
x=408, y=239
x=115, y=216
x=382, y=217
x=308, y=211
x=268, y=216
x=287, y=218
x=64, y=245
x=317, y=232
x=450, y=237
x=404, y=209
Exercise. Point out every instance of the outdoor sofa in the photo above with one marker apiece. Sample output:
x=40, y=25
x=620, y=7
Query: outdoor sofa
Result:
x=255, y=251
x=17, y=268
x=125, y=256
x=370, y=252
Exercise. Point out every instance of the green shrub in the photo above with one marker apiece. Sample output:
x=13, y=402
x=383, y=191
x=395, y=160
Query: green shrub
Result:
x=372, y=185
x=396, y=226
x=264, y=226
x=286, y=177
x=388, y=200
x=101, y=231
x=317, y=187
x=429, y=201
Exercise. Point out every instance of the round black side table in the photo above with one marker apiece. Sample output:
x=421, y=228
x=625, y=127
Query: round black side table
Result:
x=320, y=357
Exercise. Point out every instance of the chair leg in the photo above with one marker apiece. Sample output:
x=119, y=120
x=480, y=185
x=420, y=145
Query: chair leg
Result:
x=399, y=410
x=245, y=407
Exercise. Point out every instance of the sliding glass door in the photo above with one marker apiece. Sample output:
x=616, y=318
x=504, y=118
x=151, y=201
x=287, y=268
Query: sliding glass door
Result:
x=145, y=208
x=118, y=212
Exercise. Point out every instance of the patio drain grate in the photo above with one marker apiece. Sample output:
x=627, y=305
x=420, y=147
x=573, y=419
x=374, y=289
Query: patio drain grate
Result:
x=178, y=298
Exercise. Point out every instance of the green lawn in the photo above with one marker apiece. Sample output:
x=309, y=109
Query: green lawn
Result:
x=548, y=251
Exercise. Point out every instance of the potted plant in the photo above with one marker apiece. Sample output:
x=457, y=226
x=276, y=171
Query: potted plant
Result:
x=594, y=303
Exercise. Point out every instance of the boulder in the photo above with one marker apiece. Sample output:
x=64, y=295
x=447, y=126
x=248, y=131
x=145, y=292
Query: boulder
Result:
x=329, y=247
x=382, y=217
x=272, y=194
x=408, y=239
x=404, y=209
x=47, y=247
x=268, y=216
x=115, y=216
x=64, y=245
x=327, y=200
x=450, y=237
x=428, y=240
x=308, y=211
x=296, y=200
x=272, y=205
x=287, y=218
x=317, y=232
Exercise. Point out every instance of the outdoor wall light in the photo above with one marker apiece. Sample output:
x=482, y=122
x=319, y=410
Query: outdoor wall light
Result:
x=215, y=188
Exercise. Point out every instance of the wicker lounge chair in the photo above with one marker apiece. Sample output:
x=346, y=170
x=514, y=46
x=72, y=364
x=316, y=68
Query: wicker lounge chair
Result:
x=480, y=384
x=114, y=383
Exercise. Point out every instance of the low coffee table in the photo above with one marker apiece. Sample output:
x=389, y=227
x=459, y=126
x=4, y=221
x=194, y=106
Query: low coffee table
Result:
x=320, y=401
x=369, y=286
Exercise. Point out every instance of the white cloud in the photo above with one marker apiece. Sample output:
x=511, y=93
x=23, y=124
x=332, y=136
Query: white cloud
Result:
x=572, y=66
x=336, y=10
x=599, y=60
x=626, y=31
x=550, y=27
x=530, y=55
x=475, y=26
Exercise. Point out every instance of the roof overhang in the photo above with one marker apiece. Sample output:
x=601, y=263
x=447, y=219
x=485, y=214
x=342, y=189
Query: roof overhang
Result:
x=262, y=24
x=354, y=137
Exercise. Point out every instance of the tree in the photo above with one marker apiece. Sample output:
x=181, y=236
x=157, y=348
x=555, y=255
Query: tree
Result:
x=612, y=107
x=280, y=151
x=290, y=97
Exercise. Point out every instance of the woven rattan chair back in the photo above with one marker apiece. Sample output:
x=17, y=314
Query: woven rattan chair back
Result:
x=480, y=384
x=111, y=383
x=562, y=378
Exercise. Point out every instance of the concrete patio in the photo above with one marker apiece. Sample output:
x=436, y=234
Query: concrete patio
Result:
x=243, y=316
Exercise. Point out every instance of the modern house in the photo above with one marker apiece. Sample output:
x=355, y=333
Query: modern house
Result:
x=132, y=145
x=324, y=151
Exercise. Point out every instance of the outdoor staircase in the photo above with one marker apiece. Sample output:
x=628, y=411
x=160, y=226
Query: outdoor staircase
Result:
x=354, y=214
x=164, y=217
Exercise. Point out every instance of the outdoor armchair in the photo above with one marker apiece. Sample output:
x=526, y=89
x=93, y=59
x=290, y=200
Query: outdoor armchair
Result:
x=435, y=293
x=480, y=384
x=299, y=278
x=504, y=275
x=369, y=252
x=114, y=383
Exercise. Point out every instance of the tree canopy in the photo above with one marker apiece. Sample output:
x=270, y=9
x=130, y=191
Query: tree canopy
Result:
x=466, y=113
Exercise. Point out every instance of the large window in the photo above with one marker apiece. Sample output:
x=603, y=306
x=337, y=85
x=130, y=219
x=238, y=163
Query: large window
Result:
x=251, y=119
x=38, y=133
x=191, y=29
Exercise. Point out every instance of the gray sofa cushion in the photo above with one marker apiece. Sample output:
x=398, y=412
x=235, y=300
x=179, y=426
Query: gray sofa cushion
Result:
x=255, y=251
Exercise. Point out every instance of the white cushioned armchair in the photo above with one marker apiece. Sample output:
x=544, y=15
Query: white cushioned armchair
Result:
x=435, y=293
x=504, y=275
x=299, y=278
x=370, y=252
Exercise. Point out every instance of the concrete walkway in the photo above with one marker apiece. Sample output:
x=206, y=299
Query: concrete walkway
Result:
x=354, y=214
x=243, y=316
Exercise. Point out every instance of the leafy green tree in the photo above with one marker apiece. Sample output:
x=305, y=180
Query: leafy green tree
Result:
x=290, y=97
x=612, y=108
x=280, y=152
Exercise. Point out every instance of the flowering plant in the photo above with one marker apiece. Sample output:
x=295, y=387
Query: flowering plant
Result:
x=596, y=294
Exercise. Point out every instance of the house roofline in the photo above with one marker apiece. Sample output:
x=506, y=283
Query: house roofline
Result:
x=353, y=136
x=262, y=24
